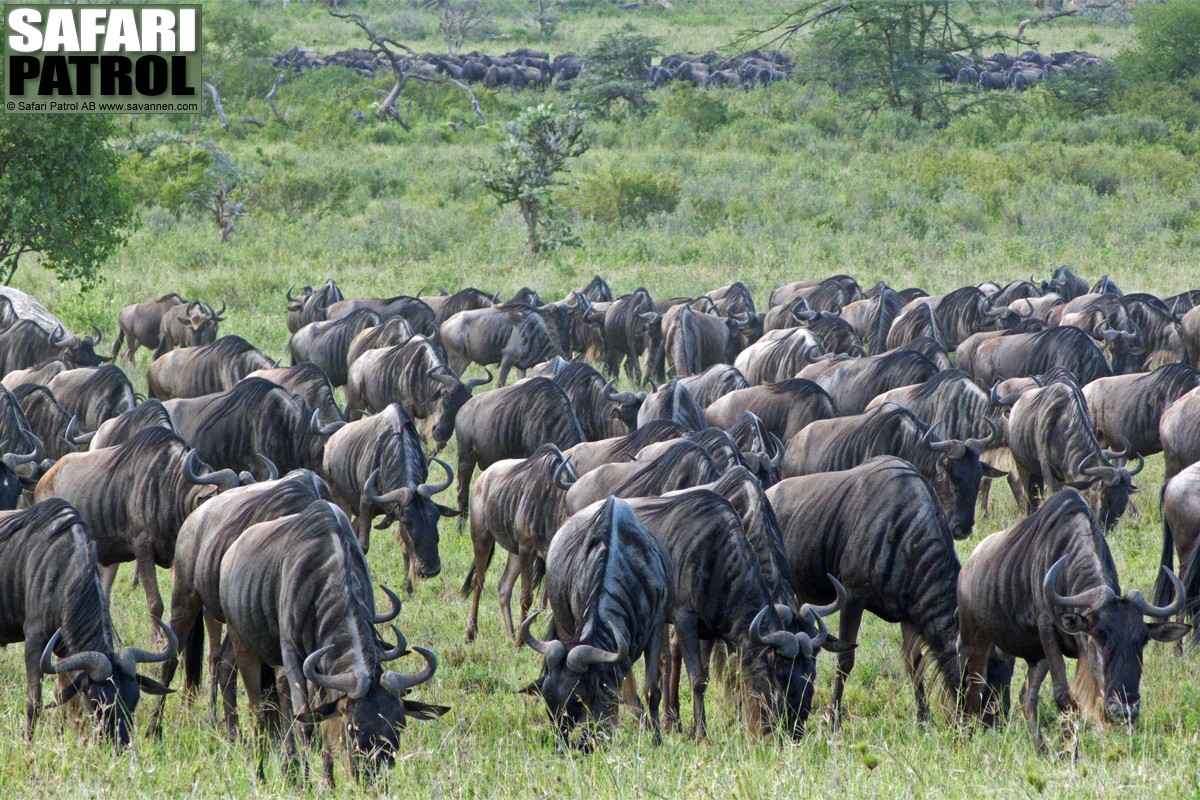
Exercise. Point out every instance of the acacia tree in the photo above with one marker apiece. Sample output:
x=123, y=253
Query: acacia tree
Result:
x=540, y=143
x=60, y=195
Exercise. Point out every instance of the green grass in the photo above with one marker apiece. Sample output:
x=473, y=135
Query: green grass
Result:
x=793, y=184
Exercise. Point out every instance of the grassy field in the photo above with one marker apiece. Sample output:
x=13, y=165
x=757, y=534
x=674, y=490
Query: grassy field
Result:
x=788, y=183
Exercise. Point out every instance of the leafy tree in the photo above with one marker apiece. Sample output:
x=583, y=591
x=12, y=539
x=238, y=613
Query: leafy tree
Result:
x=60, y=194
x=540, y=143
x=1083, y=91
x=1167, y=41
x=615, y=71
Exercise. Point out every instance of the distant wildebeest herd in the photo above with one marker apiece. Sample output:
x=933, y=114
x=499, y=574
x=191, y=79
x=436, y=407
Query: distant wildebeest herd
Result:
x=761, y=471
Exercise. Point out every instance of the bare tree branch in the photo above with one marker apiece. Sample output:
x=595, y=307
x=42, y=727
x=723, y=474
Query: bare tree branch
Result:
x=216, y=98
x=271, y=98
x=1079, y=9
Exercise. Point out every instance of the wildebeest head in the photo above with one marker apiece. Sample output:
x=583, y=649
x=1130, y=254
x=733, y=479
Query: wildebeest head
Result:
x=625, y=405
x=577, y=682
x=202, y=321
x=207, y=481
x=372, y=709
x=1112, y=484
x=1115, y=634
x=959, y=474
x=648, y=326
x=10, y=478
x=79, y=350
x=1124, y=348
x=418, y=516
x=452, y=394
x=109, y=685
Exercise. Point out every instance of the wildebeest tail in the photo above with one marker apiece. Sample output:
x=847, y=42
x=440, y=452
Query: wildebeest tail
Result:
x=1191, y=586
x=1162, y=587
x=465, y=591
x=193, y=658
x=538, y=573
x=117, y=344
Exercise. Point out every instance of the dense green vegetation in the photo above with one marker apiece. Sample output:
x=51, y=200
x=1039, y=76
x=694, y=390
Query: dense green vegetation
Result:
x=705, y=187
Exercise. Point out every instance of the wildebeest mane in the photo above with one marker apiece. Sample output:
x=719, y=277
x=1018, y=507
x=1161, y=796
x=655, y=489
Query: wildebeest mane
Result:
x=652, y=475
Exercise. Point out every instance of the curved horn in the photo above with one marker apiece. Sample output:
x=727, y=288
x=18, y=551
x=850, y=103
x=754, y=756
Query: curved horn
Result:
x=323, y=430
x=402, y=496
x=191, y=465
x=553, y=651
x=1089, y=599
x=428, y=490
x=1141, y=463
x=217, y=316
x=1111, y=454
x=400, y=649
x=74, y=437
x=475, y=382
x=391, y=614
x=397, y=683
x=563, y=467
x=832, y=608
x=1162, y=612
x=96, y=665
x=135, y=655
x=59, y=337
x=953, y=448
x=583, y=656
x=785, y=643
x=272, y=470
x=289, y=295
x=979, y=445
x=15, y=459
x=99, y=335
x=348, y=683
x=441, y=374
x=1104, y=472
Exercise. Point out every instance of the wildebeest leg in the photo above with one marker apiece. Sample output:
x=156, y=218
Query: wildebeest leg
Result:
x=184, y=612
x=509, y=579
x=362, y=524
x=33, y=683
x=293, y=697
x=985, y=495
x=848, y=624
x=1022, y=488
x=506, y=365
x=466, y=468
x=689, y=642
x=1029, y=700
x=149, y=581
x=975, y=672
x=654, y=679
x=483, y=557
x=912, y=644
x=526, y=560
x=108, y=576
x=250, y=668
x=675, y=665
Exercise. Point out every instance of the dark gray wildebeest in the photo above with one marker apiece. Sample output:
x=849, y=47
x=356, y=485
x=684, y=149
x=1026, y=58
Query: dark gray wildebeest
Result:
x=953, y=466
x=517, y=503
x=720, y=594
x=188, y=325
x=872, y=318
x=609, y=582
x=311, y=304
x=785, y=408
x=964, y=354
x=1179, y=434
x=94, y=394
x=203, y=539
x=377, y=466
x=1019, y=355
x=40, y=374
x=713, y=384
x=327, y=344
x=835, y=334
x=1065, y=283
x=881, y=529
x=512, y=422
x=965, y=312
x=602, y=411
x=587, y=456
x=732, y=299
x=208, y=369
x=681, y=465
x=393, y=332
x=1047, y=589
x=830, y=294
x=1181, y=533
x=135, y=496
x=1016, y=290
x=446, y=306
x=916, y=322
x=14, y=427
x=694, y=341
x=1104, y=318
x=53, y=603
x=118, y=430
x=140, y=324
x=634, y=335
x=1189, y=332
x=255, y=418
x=778, y=356
x=674, y=402
x=513, y=335
x=296, y=595
x=1054, y=446
x=310, y=383
x=760, y=450
x=725, y=452
x=48, y=421
x=1126, y=409
x=419, y=316
x=1158, y=328
x=1037, y=308
x=25, y=344
x=852, y=383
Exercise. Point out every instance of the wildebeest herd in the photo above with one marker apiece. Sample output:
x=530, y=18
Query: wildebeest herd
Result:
x=763, y=471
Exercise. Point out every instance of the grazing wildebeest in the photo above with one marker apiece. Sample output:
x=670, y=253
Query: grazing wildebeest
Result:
x=587, y=456
x=53, y=603
x=1047, y=589
x=1054, y=446
x=1179, y=434
x=517, y=503
x=134, y=496
x=327, y=344
x=141, y=323
x=633, y=333
x=953, y=465
x=40, y=374
x=835, y=334
x=295, y=593
x=1126, y=409
x=852, y=383
x=512, y=422
x=1018, y=355
x=917, y=321
x=965, y=312
x=150, y=414
x=881, y=530
x=714, y=383
x=609, y=582
x=377, y=466
x=511, y=335
x=674, y=402
x=681, y=465
x=94, y=394
x=393, y=332
x=208, y=369
x=14, y=427
x=785, y=408
x=1158, y=327
x=419, y=316
x=310, y=383
x=950, y=399
x=25, y=344
x=188, y=325
x=311, y=305
x=778, y=356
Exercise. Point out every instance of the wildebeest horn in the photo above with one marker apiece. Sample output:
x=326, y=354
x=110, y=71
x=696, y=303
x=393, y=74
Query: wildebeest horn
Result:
x=130, y=656
x=224, y=478
x=553, y=651
x=323, y=430
x=441, y=374
x=1141, y=463
x=653, y=385
x=1108, y=334
x=428, y=490
x=1007, y=400
x=59, y=337
x=583, y=656
x=1111, y=454
x=624, y=398
x=979, y=445
x=1109, y=474
x=1089, y=599
x=13, y=460
x=272, y=470
x=99, y=335
x=832, y=608
x=397, y=683
x=395, y=652
x=74, y=438
x=777, y=449
x=95, y=664
x=391, y=614
x=562, y=467
x=402, y=496
x=354, y=686
x=474, y=382
x=784, y=642
x=217, y=316
x=289, y=295
x=1162, y=612
x=953, y=448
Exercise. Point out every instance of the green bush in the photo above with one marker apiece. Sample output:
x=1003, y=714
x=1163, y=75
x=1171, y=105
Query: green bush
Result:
x=1083, y=91
x=701, y=111
x=166, y=177
x=611, y=194
x=1167, y=40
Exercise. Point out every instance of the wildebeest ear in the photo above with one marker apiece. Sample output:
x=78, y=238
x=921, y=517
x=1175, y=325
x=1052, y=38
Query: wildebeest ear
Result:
x=68, y=694
x=423, y=710
x=319, y=714
x=447, y=511
x=836, y=645
x=1070, y=622
x=1168, y=631
x=532, y=688
x=992, y=472
x=151, y=686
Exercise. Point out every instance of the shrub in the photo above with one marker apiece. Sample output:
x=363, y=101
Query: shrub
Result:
x=166, y=177
x=611, y=194
x=702, y=111
x=1167, y=40
x=615, y=71
x=1083, y=91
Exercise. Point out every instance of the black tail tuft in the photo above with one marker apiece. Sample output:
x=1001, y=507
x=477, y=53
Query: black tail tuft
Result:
x=468, y=582
x=193, y=658
x=1162, y=587
x=1191, y=586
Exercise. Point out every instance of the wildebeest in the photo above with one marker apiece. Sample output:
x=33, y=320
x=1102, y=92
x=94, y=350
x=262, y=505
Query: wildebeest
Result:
x=602, y=411
x=609, y=582
x=40, y=374
x=872, y=318
x=310, y=383
x=94, y=394
x=1181, y=534
x=53, y=603
x=852, y=383
x=327, y=343
x=447, y=305
x=881, y=530
x=141, y=323
x=1179, y=435
x=377, y=466
x=512, y=335
x=778, y=356
x=1018, y=355
x=134, y=497
x=714, y=383
x=25, y=344
x=518, y=504
x=188, y=325
x=952, y=465
x=965, y=312
x=393, y=332
x=47, y=420
x=295, y=594
x=150, y=414
x=785, y=408
x=419, y=316
x=208, y=369
x=586, y=456
x=693, y=341
x=917, y=321
x=633, y=333
x=1127, y=408
x=674, y=402
x=1066, y=284
x=311, y=304
x=1047, y=589
x=681, y=465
